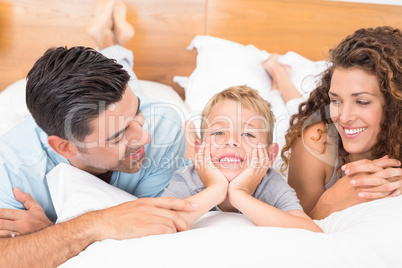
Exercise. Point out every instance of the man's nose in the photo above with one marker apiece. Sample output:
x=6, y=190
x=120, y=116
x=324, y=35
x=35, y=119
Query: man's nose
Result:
x=136, y=135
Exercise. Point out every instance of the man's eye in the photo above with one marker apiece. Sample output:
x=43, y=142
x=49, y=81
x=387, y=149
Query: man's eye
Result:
x=119, y=138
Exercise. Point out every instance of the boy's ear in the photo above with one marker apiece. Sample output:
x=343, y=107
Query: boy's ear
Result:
x=197, y=144
x=63, y=147
x=273, y=151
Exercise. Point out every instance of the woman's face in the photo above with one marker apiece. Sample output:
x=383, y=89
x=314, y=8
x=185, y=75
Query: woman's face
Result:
x=356, y=107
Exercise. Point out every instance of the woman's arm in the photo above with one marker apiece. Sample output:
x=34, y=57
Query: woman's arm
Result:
x=310, y=166
x=310, y=169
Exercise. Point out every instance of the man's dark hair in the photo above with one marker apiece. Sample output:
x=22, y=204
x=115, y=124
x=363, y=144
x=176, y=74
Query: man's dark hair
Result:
x=67, y=88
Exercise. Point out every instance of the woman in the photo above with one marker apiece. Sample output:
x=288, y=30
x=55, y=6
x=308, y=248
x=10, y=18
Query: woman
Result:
x=344, y=147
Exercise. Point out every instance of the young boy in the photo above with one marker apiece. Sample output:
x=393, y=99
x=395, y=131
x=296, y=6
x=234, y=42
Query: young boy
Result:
x=231, y=170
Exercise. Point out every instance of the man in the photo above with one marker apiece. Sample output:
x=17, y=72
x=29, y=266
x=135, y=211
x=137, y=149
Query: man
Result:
x=85, y=113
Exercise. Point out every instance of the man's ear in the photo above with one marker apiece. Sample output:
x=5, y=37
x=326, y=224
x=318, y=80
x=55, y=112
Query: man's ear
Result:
x=63, y=147
x=273, y=151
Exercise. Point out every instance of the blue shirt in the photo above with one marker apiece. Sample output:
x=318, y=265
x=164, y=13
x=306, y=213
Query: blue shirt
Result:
x=26, y=158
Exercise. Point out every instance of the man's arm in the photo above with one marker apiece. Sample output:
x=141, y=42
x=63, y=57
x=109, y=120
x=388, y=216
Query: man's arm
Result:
x=56, y=244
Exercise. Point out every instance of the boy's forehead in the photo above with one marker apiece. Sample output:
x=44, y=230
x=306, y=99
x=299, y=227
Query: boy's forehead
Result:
x=254, y=121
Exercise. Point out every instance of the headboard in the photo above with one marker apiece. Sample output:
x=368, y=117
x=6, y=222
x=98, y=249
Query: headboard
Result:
x=164, y=28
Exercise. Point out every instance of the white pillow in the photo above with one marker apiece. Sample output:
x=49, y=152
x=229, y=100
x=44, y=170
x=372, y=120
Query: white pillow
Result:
x=222, y=63
x=75, y=192
x=163, y=93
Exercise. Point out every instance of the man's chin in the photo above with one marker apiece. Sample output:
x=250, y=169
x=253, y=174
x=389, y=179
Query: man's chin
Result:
x=132, y=166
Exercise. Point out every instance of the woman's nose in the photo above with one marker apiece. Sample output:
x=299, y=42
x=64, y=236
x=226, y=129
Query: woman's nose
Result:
x=346, y=113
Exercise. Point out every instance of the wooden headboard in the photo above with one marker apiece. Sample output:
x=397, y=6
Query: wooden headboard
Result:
x=164, y=28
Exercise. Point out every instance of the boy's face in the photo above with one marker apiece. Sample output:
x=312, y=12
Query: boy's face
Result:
x=233, y=131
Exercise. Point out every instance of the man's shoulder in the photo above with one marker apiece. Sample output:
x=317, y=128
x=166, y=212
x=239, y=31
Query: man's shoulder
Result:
x=165, y=124
x=162, y=110
x=25, y=147
x=24, y=139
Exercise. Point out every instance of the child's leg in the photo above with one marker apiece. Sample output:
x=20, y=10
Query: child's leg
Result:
x=108, y=28
x=280, y=78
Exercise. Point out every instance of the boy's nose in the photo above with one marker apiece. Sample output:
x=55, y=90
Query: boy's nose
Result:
x=231, y=142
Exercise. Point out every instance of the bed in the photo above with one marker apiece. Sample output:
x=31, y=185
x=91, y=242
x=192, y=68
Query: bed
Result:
x=226, y=41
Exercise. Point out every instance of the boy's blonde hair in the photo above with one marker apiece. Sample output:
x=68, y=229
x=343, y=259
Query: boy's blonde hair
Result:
x=250, y=99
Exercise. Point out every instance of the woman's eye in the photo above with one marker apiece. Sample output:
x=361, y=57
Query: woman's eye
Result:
x=335, y=102
x=248, y=135
x=217, y=133
x=363, y=102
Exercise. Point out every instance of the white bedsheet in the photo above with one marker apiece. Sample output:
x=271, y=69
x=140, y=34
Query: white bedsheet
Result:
x=367, y=235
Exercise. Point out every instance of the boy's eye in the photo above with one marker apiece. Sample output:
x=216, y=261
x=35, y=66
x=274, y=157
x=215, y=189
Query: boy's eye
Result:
x=217, y=133
x=248, y=135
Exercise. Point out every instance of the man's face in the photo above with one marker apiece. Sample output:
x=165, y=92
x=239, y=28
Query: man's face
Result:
x=117, y=141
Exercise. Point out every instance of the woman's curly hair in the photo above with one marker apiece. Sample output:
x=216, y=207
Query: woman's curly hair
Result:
x=378, y=52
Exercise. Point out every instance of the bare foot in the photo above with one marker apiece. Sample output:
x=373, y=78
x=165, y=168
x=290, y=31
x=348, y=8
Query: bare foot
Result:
x=123, y=30
x=100, y=28
x=273, y=67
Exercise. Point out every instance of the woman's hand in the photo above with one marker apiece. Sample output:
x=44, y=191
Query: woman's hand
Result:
x=375, y=179
x=365, y=180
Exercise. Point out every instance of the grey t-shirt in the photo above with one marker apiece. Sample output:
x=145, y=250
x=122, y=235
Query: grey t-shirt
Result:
x=272, y=190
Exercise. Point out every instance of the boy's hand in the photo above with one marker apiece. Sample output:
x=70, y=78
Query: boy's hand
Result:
x=257, y=166
x=208, y=172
